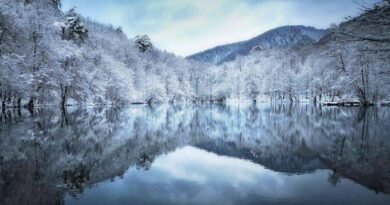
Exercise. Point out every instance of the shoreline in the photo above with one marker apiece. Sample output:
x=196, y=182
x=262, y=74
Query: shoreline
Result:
x=326, y=104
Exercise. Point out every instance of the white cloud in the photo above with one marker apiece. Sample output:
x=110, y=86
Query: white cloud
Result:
x=189, y=26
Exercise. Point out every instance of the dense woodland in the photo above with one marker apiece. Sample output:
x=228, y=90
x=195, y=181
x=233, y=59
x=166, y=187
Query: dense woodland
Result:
x=50, y=57
x=349, y=64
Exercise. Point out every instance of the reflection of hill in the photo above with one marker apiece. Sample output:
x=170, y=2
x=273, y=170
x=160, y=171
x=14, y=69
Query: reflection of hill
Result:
x=44, y=155
x=300, y=161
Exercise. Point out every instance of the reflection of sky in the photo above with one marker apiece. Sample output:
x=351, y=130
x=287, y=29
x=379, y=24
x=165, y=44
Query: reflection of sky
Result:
x=193, y=176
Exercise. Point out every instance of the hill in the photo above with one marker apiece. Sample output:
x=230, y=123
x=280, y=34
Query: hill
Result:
x=282, y=37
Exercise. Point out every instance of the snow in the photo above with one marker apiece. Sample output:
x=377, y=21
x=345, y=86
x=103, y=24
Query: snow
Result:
x=56, y=57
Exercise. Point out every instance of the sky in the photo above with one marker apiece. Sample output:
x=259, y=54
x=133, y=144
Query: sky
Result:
x=186, y=27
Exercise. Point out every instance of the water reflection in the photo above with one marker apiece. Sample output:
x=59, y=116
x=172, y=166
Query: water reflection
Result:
x=194, y=176
x=270, y=154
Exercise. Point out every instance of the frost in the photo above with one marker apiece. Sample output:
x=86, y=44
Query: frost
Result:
x=51, y=58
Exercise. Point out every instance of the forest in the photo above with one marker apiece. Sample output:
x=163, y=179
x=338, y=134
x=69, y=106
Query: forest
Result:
x=53, y=58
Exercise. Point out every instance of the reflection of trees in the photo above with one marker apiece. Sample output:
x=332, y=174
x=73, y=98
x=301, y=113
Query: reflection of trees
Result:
x=44, y=147
x=361, y=154
x=334, y=178
x=302, y=138
x=144, y=162
x=99, y=144
x=76, y=179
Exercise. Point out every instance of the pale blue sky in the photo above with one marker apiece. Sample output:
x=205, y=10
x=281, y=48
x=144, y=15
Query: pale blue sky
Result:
x=189, y=26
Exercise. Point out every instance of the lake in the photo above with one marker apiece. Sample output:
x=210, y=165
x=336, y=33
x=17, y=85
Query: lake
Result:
x=199, y=154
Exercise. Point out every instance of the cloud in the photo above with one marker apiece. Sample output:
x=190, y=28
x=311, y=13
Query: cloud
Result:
x=189, y=26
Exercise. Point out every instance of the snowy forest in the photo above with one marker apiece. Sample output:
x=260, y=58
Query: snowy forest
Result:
x=56, y=58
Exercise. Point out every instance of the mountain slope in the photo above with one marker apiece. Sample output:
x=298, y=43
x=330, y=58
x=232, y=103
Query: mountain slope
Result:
x=282, y=37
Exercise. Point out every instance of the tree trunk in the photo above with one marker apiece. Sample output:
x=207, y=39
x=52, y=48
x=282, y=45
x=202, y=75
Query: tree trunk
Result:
x=30, y=105
x=64, y=92
x=4, y=99
x=3, y=106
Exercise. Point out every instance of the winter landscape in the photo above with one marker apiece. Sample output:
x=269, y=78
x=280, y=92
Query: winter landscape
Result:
x=252, y=102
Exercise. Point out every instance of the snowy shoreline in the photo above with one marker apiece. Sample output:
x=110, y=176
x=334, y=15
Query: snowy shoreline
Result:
x=228, y=103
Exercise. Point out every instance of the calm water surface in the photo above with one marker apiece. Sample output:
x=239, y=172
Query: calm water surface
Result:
x=264, y=154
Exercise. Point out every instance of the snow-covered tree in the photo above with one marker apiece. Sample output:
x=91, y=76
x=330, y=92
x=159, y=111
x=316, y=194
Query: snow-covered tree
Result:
x=143, y=43
x=41, y=64
x=73, y=28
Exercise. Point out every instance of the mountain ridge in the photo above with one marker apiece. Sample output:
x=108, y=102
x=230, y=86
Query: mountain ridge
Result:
x=280, y=37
